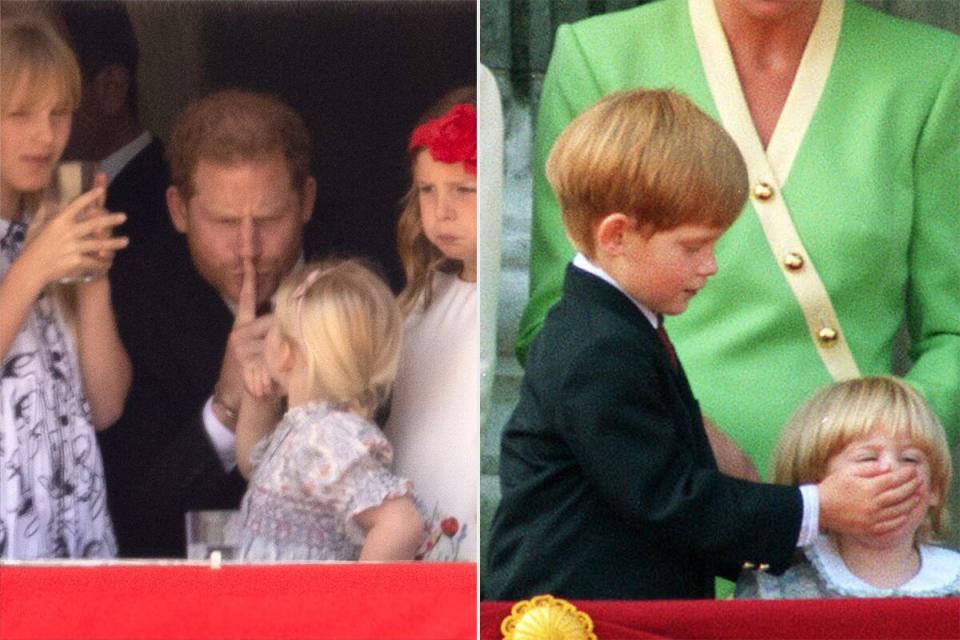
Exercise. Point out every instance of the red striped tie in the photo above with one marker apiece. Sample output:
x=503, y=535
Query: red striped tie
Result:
x=665, y=339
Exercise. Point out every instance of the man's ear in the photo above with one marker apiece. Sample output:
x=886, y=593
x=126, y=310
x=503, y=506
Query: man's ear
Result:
x=308, y=198
x=177, y=207
x=610, y=231
x=110, y=87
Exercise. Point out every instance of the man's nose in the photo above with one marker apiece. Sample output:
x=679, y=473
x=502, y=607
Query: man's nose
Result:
x=250, y=242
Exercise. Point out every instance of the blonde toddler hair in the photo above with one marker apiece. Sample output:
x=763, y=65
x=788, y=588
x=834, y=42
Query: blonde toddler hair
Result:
x=651, y=155
x=843, y=412
x=343, y=320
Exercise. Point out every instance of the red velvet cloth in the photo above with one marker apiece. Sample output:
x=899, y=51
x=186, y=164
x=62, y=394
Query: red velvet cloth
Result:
x=867, y=619
x=343, y=601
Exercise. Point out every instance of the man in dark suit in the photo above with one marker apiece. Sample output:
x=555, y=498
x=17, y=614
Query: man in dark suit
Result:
x=240, y=195
x=610, y=489
x=106, y=127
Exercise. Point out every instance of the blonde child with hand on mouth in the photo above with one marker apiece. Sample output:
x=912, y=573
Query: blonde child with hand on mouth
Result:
x=858, y=424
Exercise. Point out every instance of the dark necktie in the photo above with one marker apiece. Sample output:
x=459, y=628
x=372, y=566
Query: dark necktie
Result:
x=665, y=339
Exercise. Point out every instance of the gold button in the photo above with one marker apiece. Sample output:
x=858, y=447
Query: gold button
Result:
x=762, y=191
x=827, y=335
x=793, y=261
x=763, y=567
x=747, y=566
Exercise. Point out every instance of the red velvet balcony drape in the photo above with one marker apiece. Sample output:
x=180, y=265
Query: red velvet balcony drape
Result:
x=868, y=619
x=343, y=601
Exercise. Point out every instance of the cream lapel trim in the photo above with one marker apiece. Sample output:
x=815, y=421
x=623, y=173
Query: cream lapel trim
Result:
x=801, y=103
x=806, y=91
x=766, y=177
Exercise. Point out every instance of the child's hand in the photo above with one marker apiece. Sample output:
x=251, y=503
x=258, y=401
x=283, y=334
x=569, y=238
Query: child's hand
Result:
x=257, y=382
x=873, y=502
x=61, y=245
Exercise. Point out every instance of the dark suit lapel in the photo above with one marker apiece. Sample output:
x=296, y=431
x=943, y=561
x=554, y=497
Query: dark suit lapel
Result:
x=591, y=291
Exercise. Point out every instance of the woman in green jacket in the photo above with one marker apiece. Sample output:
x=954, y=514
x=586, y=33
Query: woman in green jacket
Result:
x=848, y=120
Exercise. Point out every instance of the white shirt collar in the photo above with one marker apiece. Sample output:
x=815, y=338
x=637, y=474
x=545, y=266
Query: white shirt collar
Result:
x=939, y=568
x=583, y=263
x=114, y=163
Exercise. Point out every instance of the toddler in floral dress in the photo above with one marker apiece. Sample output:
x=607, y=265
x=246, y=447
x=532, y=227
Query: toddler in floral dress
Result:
x=321, y=485
x=866, y=424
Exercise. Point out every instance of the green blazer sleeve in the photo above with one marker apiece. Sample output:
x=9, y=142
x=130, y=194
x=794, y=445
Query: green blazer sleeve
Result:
x=933, y=296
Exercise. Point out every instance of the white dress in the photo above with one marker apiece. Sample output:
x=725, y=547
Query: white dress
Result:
x=434, y=423
x=53, y=501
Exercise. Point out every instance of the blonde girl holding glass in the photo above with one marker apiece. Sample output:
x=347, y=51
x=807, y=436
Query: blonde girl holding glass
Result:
x=64, y=370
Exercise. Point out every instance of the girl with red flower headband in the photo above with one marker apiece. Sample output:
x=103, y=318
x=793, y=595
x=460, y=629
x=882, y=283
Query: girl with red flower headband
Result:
x=434, y=414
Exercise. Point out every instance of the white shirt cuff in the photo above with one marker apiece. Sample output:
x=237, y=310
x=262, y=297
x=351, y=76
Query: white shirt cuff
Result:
x=224, y=441
x=810, y=525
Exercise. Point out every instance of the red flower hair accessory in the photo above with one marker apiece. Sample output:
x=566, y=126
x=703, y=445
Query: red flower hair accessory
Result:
x=451, y=138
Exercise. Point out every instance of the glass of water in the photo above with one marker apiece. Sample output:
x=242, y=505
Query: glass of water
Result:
x=71, y=180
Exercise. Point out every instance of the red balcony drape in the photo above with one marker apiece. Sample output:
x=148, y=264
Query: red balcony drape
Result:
x=867, y=619
x=343, y=601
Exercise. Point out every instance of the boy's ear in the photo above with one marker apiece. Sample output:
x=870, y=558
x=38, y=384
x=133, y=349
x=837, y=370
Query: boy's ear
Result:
x=610, y=233
x=177, y=208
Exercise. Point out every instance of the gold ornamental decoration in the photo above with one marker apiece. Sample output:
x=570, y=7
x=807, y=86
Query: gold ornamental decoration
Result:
x=546, y=618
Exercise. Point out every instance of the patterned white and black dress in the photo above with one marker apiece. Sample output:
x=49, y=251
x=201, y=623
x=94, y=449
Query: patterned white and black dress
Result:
x=53, y=501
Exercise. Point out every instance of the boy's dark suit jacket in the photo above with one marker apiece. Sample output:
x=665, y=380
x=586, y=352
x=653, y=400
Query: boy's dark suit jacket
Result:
x=158, y=460
x=610, y=489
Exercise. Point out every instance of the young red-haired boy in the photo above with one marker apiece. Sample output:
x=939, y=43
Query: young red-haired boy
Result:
x=610, y=489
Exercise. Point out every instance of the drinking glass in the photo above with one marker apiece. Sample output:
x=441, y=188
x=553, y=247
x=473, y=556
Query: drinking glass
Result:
x=71, y=180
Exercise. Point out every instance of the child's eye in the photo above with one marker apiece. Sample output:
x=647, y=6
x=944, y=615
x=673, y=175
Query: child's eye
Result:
x=867, y=458
x=425, y=188
x=466, y=189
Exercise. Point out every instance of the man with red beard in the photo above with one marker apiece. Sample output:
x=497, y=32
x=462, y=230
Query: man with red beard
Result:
x=240, y=195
